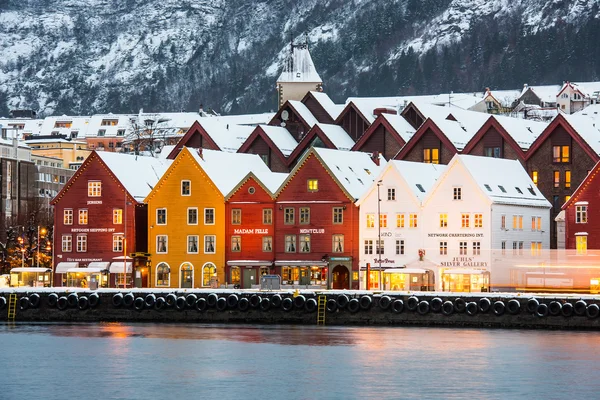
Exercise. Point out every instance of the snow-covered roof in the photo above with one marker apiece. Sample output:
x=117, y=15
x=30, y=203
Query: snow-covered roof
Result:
x=281, y=137
x=299, y=67
x=30, y=126
x=401, y=125
x=245, y=119
x=523, y=131
x=304, y=112
x=592, y=111
x=545, y=93
x=419, y=177
x=587, y=128
x=338, y=136
x=229, y=137
x=503, y=181
x=354, y=170
x=226, y=170
x=505, y=97
x=328, y=105
x=138, y=174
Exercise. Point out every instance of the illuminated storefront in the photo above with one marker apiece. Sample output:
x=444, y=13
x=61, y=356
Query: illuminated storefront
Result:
x=303, y=273
x=465, y=280
x=32, y=277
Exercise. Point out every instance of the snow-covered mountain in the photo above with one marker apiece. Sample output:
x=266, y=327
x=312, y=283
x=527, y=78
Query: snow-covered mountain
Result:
x=92, y=56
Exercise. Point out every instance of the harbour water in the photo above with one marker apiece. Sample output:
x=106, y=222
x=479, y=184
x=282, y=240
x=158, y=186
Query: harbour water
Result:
x=196, y=361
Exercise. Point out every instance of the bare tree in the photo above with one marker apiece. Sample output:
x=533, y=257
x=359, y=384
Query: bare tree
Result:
x=147, y=133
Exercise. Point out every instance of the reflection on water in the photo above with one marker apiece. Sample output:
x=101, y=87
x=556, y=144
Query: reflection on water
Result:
x=155, y=361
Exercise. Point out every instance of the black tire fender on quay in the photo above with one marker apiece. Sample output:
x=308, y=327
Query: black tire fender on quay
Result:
x=62, y=303
x=139, y=303
x=117, y=300
x=514, y=306
x=83, y=303
x=423, y=307
x=52, y=300
x=201, y=304
x=232, y=300
x=128, y=299
x=398, y=306
x=150, y=300
x=72, y=300
x=532, y=305
x=459, y=304
x=190, y=299
x=471, y=308
x=542, y=310
x=34, y=300
x=221, y=304
x=265, y=304
x=276, y=301
x=353, y=305
x=180, y=303
x=385, y=302
x=567, y=310
x=436, y=304
x=171, y=299
x=580, y=307
x=554, y=308
x=255, y=301
x=412, y=303
x=592, y=311
x=299, y=301
x=342, y=301
x=243, y=304
x=160, y=304
x=498, y=307
x=310, y=305
x=484, y=304
x=24, y=303
x=287, y=304
x=447, y=307
x=3, y=302
x=365, y=302
x=94, y=300
x=331, y=305
x=211, y=300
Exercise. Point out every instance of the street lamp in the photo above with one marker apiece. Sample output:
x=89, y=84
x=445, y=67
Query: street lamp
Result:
x=43, y=232
x=20, y=240
x=379, y=247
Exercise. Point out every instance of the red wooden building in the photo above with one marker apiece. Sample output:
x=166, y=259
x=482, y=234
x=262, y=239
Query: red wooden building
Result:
x=273, y=144
x=387, y=135
x=249, y=247
x=321, y=135
x=100, y=218
x=316, y=222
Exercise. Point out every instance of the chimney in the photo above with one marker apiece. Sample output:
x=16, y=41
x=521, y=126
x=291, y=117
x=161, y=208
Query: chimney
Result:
x=384, y=110
x=375, y=157
x=200, y=153
x=525, y=86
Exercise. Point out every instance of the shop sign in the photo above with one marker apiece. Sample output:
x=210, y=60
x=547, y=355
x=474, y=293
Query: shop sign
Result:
x=83, y=259
x=384, y=261
x=240, y=231
x=312, y=230
x=91, y=230
x=340, y=258
x=94, y=202
x=463, y=262
x=458, y=235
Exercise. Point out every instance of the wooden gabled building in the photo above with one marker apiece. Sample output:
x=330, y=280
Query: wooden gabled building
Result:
x=321, y=135
x=322, y=107
x=387, y=135
x=295, y=117
x=273, y=144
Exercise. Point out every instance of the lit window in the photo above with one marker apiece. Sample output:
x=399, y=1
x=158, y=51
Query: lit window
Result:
x=556, y=179
x=161, y=244
x=192, y=216
x=581, y=244
x=94, y=189
x=83, y=217
x=370, y=220
x=399, y=220
x=391, y=194
x=368, y=247
x=431, y=156
x=313, y=185
x=81, y=243
x=117, y=216
x=338, y=243
x=399, y=247
x=443, y=220
x=161, y=216
x=338, y=215
x=68, y=217
x=117, y=243
x=304, y=243
x=267, y=216
x=478, y=219
x=465, y=220
x=457, y=193
x=383, y=220
x=236, y=216
x=567, y=179
x=443, y=248
x=581, y=214
x=162, y=275
x=561, y=154
x=192, y=244
x=236, y=243
x=186, y=188
x=209, y=216
x=413, y=220
x=267, y=243
x=304, y=215
x=539, y=223
x=209, y=244
x=67, y=243
x=288, y=216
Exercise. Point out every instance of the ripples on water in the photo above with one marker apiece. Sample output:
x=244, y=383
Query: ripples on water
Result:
x=194, y=361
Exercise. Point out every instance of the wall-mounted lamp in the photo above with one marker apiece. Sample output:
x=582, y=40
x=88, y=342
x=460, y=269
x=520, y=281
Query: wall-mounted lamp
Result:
x=344, y=207
x=281, y=207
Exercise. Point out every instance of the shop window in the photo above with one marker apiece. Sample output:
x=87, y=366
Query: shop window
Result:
x=391, y=194
x=117, y=216
x=267, y=216
x=431, y=156
x=192, y=244
x=536, y=248
x=83, y=217
x=290, y=243
x=304, y=243
x=209, y=216
x=465, y=220
x=209, y=244
x=399, y=220
x=443, y=248
x=380, y=247
x=208, y=272
x=476, y=248
x=161, y=216
x=117, y=243
x=567, y=179
x=161, y=244
x=68, y=217
x=313, y=185
x=267, y=243
x=478, y=220
x=463, y=248
x=288, y=216
x=186, y=188
x=338, y=243
x=561, y=154
x=400, y=247
x=413, y=220
x=338, y=215
x=304, y=215
x=236, y=216
x=163, y=275
x=581, y=244
x=236, y=243
x=556, y=179
x=443, y=220
x=192, y=218
x=581, y=215
x=67, y=243
x=457, y=193
x=94, y=189
x=81, y=243
x=235, y=275
x=368, y=246
x=383, y=220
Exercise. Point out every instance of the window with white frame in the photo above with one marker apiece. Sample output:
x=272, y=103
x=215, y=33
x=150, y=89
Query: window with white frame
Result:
x=68, y=217
x=399, y=246
x=536, y=248
x=267, y=243
x=380, y=247
x=503, y=246
x=476, y=248
x=236, y=243
x=338, y=215
x=192, y=244
x=465, y=220
x=399, y=220
x=304, y=243
x=581, y=215
x=192, y=218
x=67, y=243
x=209, y=216
x=186, y=188
x=161, y=216
x=163, y=273
x=288, y=216
x=81, y=243
x=463, y=248
x=304, y=215
x=338, y=243
x=209, y=244
x=94, y=189
x=267, y=216
x=503, y=222
x=236, y=216
x=161, y=244
x=391, y=194
x=413, y=221
x=117, y=243
x=443, y=248
x=457, y=193
x=383, y=220
x=478, y=220
x=370, y=220
x=443, y=220
x=117, y=216
x=83, y=217
x=369, y=246
x=290, y=243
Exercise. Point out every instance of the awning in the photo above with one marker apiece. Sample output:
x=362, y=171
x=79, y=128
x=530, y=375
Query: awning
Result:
x=62, y=267
x=117, y=267
x=249, y=263
x=405, y=271
x=299, y=263
x=86, y=271
x=99, y=264
x=25, y=269
x=465, y=271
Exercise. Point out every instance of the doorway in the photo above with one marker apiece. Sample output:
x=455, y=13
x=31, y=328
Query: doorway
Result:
x=247, y=278
x=340, y=278
x=187, y=276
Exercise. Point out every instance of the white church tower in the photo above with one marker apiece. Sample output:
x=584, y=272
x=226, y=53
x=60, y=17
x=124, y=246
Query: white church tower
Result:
x=299, y=75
